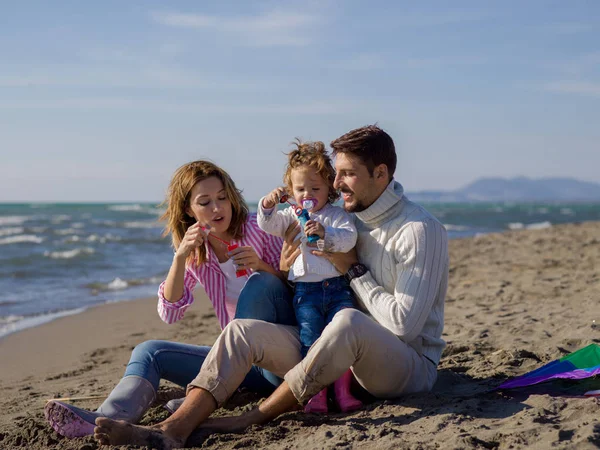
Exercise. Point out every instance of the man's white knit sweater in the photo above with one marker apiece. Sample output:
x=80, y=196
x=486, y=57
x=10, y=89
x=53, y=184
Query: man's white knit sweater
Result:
x=405, y=249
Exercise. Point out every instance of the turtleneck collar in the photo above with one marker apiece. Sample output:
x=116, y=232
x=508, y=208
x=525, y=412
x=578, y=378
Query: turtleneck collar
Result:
x=381, y=208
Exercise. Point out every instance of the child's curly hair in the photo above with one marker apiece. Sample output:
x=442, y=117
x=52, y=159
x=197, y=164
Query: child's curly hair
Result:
x=312, y=154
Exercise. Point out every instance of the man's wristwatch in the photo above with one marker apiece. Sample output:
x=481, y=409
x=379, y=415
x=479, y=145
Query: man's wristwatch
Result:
x=356, y=270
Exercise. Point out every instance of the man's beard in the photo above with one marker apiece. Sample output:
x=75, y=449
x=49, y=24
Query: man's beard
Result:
x=358, y=206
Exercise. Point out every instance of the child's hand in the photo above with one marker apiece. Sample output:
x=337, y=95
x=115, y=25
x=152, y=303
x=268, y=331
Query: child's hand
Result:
x=272, y=199
x=313, y=227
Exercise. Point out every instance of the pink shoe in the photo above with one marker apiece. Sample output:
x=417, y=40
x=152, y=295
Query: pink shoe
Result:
x=344, y=398
x=70, y=421
x=317, y=404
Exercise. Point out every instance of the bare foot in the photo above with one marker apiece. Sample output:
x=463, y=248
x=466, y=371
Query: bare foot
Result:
x=119, y=432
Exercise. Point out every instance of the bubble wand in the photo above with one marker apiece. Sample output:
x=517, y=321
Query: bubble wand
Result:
x=302, y=213
x=239, y=272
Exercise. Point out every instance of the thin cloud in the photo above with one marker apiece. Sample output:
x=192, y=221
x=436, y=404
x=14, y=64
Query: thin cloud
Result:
x=588, y=89
x=145, y=77
x=567, y=28
x=332, y=107
x=360, y=62
x=274, y=28
x=443, y=18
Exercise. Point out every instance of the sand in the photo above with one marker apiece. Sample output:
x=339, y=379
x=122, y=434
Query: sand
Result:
x=516, y=301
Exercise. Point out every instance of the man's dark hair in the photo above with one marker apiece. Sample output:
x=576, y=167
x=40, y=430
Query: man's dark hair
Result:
x=371, y=145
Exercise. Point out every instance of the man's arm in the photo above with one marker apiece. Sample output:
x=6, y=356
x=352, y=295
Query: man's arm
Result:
x=422, y=255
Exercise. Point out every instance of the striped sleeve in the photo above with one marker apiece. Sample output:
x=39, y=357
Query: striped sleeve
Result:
x=172, y=312
x=268, y=247
x=422, y=258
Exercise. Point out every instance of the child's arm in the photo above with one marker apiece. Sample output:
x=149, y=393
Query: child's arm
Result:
x=272, y=221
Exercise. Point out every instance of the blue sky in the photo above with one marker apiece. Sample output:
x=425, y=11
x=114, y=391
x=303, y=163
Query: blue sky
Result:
x=102, y=101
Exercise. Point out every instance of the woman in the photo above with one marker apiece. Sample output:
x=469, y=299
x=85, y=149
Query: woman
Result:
x=205, y=212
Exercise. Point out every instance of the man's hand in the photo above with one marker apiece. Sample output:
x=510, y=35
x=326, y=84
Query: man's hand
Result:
x=291, y=247
x=341, y=261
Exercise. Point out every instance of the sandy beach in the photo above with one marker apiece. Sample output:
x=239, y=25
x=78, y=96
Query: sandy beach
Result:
x=516, y=301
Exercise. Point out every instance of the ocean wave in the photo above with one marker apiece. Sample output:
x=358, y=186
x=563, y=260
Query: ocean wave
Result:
x=567, y=212
x=22, y=239
x=538, y=226
x=69, y=254
x=142, y=224
x=136, y=208
x=450, y=227
x=516, y=226
x=55, y=220
x=9, y=231
x=10, y=324
x=13, y=220
x=120, y=284
x=65, y=231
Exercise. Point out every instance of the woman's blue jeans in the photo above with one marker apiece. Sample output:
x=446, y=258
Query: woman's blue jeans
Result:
x=264, y=297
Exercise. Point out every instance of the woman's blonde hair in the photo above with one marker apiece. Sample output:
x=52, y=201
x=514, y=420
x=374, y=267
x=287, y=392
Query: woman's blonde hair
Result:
x=178, y=202
x=312, y=154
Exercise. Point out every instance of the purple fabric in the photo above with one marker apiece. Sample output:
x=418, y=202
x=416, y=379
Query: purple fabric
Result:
x=577, y=374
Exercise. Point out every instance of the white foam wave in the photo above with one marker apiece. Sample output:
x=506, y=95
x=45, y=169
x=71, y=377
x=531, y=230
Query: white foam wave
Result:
x=69, y=254
x=60, y=219
x=516, y=226
x=38, y=229
x=11, y=324
x=21, y=239
x=66, y=231
x=13, y=220
x=108, y=223
x=117, y=284
x=567, y=212
x=538, y=226
x=135, y=208
x=450, y=227
x=78, y=225
x=9, y=231
x=140, y=224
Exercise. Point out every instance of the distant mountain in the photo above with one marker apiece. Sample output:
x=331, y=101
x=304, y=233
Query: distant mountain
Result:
x=519, y=189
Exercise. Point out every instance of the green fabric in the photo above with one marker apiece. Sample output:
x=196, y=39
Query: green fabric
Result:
x=584, y=358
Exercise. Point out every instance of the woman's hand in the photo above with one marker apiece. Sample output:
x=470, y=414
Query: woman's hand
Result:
x=272, y=199
x=291, y=247
x=246, y=258
x=314, y=227
x=341, y=261
x=194, y=238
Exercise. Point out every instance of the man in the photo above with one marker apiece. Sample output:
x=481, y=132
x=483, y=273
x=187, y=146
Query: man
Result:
x=393, y=346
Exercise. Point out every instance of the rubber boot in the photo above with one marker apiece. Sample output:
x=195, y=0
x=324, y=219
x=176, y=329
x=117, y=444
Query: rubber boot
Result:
x=343, y=397
x=317, y=404
x=128, y=401
x=173, y=405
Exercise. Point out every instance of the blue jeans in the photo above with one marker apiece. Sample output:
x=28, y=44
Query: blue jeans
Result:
x=315, y=305
x=264, y=297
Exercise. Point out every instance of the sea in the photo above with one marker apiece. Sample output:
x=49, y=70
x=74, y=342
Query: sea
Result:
x=59, y=259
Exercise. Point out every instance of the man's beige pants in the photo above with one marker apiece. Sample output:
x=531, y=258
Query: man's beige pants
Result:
x=383, y=364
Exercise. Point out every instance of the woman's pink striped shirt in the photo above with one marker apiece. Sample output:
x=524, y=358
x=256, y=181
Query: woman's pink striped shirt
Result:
x=211, y=278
